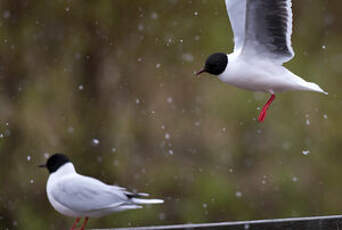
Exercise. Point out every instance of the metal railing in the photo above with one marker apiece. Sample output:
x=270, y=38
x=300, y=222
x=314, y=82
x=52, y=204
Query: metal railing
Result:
x=300, y=223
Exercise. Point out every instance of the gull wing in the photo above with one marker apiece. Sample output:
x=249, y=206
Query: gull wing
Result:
x=237, y=15
x=265, y=28
x=84, y=194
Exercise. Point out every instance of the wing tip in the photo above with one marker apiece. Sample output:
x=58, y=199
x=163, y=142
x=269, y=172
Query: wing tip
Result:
x=147, y=201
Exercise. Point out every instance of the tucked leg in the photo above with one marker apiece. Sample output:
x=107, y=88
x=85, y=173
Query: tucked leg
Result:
x=265, y=108
x=75, y=223
x=84, y=223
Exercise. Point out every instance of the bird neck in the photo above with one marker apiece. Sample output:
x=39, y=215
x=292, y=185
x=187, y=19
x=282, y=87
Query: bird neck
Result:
x=66, y=169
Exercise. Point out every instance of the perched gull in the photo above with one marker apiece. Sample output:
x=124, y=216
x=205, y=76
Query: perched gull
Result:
x=72, y=194
x=262, y=36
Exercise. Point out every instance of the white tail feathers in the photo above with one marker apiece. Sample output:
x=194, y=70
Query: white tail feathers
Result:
x=127, y=207
x=310, y=86
x=144, y=194
x=314, y=87
x=146, y=201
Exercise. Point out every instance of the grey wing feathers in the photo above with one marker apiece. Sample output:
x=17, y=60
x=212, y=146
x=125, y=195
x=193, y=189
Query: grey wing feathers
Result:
x=269, y=29
x=87, y=194
x=236, y=10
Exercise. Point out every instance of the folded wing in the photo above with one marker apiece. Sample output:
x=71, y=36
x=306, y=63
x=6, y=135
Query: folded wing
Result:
x=85, y=194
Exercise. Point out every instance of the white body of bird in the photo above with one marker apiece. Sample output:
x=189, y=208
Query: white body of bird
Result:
x=75, y=195
x=263, y=75
x=262, y=44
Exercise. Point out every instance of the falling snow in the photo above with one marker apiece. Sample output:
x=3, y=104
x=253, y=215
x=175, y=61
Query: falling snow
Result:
x=307, y=122
x=238, y=194
x=305, y=152
x=6, y=14
x=187, y=57
x=71, y=129
x=140, y=27
x=95, y=141
x=154, y=16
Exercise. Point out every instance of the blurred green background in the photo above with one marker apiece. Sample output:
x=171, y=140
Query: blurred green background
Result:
x=111, y=84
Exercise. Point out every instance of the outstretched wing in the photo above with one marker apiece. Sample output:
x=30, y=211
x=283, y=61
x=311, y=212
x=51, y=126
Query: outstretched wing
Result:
x=265, y=27
x=237, y=15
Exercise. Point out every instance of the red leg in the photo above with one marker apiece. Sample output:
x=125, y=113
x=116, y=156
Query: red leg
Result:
x=265, y=108
x=84, y=223
x=75, y=223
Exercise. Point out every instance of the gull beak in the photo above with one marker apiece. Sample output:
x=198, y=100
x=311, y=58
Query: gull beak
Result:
x=199, y=72
x=42, y=166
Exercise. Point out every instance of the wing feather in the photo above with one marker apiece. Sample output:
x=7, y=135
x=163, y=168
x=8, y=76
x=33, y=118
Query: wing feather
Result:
x=262, y=28
x=268, y=30
x=236, y=10
x=86, y=194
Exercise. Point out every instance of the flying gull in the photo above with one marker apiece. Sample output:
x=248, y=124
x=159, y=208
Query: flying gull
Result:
x=262, y=36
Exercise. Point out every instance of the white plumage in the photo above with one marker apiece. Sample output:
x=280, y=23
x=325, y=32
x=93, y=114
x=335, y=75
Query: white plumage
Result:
x=75, y=195
x=262, y=36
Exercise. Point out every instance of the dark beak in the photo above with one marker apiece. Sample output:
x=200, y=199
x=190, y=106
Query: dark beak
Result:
x=42, y=166
x=201, y=71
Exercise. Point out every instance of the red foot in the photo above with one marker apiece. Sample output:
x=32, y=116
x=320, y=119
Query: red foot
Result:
x=84, y=223
x=75, y=223
x=263, y=112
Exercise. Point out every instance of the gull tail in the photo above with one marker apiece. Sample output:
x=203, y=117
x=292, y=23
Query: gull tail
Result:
x=314, y=87
x=309, y=86
x=127, y=207
x=146, y=201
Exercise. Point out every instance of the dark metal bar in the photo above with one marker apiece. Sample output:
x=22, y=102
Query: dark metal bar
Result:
x=299, y=223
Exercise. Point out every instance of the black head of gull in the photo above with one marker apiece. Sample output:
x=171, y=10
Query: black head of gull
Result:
x=55, y=162
x=215, y=64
